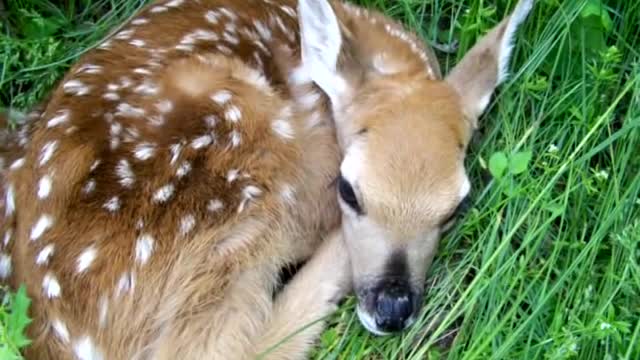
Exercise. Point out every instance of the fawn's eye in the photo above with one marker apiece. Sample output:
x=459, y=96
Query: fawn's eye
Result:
x=348, y=195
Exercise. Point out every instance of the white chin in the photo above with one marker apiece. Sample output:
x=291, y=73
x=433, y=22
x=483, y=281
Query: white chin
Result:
x=368, y=322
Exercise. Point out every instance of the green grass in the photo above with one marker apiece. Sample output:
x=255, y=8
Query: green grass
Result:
x=546, y=263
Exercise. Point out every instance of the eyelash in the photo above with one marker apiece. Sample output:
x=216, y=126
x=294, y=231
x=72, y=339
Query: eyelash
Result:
x=348, y=195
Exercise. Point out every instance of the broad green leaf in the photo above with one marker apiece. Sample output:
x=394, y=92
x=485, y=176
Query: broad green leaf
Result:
x=519, y=162
x=18, y=319
x=498, y=164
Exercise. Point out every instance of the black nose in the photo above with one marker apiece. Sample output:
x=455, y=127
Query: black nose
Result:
x=394, y=306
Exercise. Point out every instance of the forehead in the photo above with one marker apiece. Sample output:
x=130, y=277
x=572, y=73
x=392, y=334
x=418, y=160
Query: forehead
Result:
x=408, y=161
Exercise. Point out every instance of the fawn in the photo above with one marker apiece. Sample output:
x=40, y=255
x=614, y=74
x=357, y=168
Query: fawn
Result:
x=151, y=203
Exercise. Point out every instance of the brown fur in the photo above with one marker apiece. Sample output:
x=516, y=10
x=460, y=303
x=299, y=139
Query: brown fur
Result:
x=164, y=254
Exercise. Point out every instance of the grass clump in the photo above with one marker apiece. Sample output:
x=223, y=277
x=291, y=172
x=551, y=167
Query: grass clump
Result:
x=545, y=264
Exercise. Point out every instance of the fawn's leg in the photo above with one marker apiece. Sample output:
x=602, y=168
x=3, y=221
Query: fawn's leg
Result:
x=312, y=294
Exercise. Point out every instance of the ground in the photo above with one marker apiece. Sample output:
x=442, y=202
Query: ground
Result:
x=545, y=264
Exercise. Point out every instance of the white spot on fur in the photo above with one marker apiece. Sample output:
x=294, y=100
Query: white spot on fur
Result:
x=61, y=117
x=125, y=175
x=183, y=47
x=124, y=34
x=215, y=205
x=111, y=96
x=10, y=201
x=89, y=187
x=287, y=192
x=212, y=17
x=175, y=150
x=44, y=186
x=17, y=164
x=211, y=120
x=86, y=350
x=233, y=114
x=5, y=265
x=125, y=284
x=7, y=237
x=174, y=3
x=76, y=87
x=45, y=254
x=147, y=88
x=235, y=138
x=158, y=9
x=164, y=106
x=47, y=151
x=232, y=175
x=144, y=151
x=95, y=165
x=112, y=204
x=222, y=97
x=60, y=329
x=103, y=311
x=140, y=21
x=164, y=193
x=43, y=224
x=283, y=129
x=228, y=14
x=249, y=193
x=137, y=42
x=142, y=71
x=187, y=223
x=85, y=259
x=89, y=69
x=144, y=248
x=264, y=31
x=127, y=110
x=51, y=286
x=201, y=141
x=288, y=10
x=183, y=169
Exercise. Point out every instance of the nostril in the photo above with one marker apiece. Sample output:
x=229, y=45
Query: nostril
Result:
x=393, y=308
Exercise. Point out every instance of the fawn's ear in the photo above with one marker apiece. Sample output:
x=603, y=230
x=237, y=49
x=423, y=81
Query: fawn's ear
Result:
x=321, y=42
x=484, y=67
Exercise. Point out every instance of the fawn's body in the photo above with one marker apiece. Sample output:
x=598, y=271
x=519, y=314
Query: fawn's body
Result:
x=183, y=163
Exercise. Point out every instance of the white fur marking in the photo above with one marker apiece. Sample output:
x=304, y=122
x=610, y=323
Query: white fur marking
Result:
x=85, y=259
x=112, y=204
x=60, y=329
x=51, y=286
x=44, y=186
x=283, y=129
x=233, y=114
x=221, y=97
x=17, y=164
x=47, y=151
x=10, y=201
x=5, y=266
x=75, y=87
x=61, y=117
x=45, y=254
x=201, y=141
x=86, y=350
x=183, y=169
x=215, y=205
x=144, y=151
x=164, y=193
x=43, y=224
x=144, y=248
x=187, y=223
x=125, y=175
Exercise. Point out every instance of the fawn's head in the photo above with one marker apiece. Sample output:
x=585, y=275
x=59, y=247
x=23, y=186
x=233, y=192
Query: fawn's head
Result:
x=403, y=133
